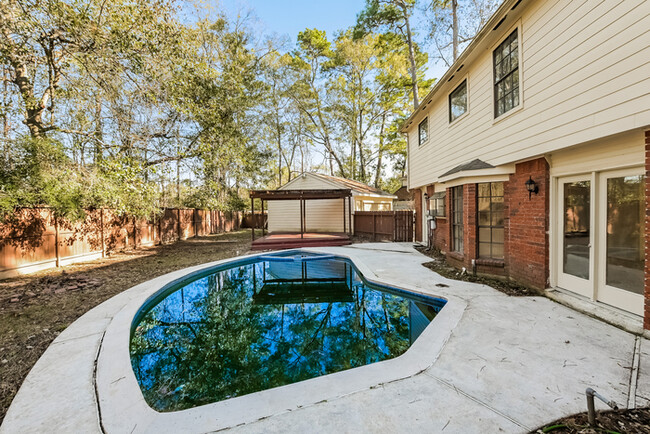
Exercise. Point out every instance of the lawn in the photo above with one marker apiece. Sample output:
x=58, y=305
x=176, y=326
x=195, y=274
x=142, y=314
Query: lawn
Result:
x=34, y=309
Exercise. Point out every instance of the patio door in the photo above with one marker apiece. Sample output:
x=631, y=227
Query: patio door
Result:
x=621, y=239
x=575, y=259
x=601, y=237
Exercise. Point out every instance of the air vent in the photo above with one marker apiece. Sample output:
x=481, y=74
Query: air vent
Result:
x=450, y=78
x=460, y=67
x=515, y=5
x=500, y=22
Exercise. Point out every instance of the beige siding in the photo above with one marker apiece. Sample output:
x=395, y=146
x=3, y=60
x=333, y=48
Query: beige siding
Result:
x=309, y=182
x=585, y=75
x=321, y=215
x=624, y=150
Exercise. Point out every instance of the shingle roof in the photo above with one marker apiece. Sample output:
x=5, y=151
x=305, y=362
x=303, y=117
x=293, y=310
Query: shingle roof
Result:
x=472, y=165
x=354, y=185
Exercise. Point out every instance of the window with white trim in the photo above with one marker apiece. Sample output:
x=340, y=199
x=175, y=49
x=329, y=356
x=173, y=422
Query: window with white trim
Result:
x=506, y=75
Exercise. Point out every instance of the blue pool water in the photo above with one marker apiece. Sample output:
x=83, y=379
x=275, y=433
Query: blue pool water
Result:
x=266, y=323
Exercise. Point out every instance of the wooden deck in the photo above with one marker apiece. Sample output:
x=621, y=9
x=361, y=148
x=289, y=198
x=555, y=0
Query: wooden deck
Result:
x=280, y=241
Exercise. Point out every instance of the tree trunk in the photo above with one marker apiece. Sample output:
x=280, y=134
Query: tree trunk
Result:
x=454, y=14
x=413, y=68
x=381, y=150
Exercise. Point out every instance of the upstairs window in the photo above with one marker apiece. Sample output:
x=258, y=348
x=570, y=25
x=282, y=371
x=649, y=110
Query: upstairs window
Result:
x=458, y=102
x=423, y=131
x=506, y=75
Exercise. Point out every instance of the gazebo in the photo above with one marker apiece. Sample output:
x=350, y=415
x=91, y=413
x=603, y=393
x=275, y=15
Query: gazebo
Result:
x=304, y=238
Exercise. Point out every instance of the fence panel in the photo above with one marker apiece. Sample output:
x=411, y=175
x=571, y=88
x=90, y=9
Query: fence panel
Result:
x=384, y=225
x=32, y=239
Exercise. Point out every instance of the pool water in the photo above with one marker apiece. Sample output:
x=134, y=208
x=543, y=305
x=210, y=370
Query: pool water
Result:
x=255, y=326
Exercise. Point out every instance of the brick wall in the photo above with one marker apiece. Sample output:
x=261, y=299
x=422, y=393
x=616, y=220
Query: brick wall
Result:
x=527, y=223
x=646, y=322
x=417, y=201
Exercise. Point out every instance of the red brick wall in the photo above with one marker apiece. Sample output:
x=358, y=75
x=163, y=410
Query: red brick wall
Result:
x=646, y=322
x=441, y=234
x=527, y=223
x=417, y=203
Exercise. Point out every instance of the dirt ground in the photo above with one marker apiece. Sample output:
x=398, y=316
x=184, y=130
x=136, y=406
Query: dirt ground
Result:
x=619, y=421
x=35, y=308
x=439, y=265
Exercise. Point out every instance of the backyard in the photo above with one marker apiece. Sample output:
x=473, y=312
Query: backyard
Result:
x=34, y=309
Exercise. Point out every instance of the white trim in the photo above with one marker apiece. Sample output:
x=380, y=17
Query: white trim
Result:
x=517, y=26
x=451, y=123
x=506, y=169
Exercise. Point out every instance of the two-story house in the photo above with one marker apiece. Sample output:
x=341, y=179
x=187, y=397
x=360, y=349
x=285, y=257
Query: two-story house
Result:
x=530, y=157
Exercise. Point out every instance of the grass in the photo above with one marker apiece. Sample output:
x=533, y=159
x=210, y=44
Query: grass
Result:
x=35, y=308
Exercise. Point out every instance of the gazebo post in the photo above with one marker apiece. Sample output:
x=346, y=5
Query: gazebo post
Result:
x=350, y=202
x=262, y=217
x=302, y=218
x=253, y=219
x=344, y=231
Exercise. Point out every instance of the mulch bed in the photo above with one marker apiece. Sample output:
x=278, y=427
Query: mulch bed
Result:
x=440, y=266
x=35, y=308
x=618, y=421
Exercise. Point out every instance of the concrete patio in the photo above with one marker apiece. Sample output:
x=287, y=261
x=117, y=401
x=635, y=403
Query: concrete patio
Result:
x=491, y=363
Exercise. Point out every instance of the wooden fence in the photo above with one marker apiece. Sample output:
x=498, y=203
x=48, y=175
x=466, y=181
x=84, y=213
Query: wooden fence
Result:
x=384, y=225
x=33, y=239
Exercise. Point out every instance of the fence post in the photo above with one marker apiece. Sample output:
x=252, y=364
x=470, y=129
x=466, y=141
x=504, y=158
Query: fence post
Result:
x=101, y=228
x=374, y=227
x=178, y=214
x=56, y=240
x=135, y=232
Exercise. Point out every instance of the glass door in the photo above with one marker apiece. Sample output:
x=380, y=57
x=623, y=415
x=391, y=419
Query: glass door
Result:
x=575, y=237
x=621, y=239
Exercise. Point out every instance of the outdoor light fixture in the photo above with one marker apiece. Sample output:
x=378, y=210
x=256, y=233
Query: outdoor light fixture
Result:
x=426, y=196
x=532, y=187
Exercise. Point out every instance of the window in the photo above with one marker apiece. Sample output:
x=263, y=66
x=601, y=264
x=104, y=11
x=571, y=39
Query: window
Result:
x=506, y=75
x=437, y=204
x=457, y=219
x=423, y=131
x=458, y=101
x=490, y=220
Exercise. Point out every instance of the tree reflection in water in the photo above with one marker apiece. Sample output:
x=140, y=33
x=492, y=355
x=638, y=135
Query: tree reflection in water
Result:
x=264, y=325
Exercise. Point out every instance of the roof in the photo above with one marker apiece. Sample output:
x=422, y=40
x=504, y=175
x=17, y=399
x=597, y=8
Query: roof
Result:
x=357, y=187
x=300, y=194
x=495, y=22
x=472, y=165
x=403, y=193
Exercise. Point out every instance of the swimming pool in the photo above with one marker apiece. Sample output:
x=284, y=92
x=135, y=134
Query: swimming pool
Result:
x=267, y=322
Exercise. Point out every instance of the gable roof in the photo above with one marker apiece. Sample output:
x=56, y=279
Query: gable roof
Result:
x=472, y=165
x=358, y=188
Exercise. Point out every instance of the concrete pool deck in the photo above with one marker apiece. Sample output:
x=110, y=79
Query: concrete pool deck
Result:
x=488, y=362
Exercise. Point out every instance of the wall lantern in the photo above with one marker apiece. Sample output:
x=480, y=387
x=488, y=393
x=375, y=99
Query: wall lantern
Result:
x=532, y=187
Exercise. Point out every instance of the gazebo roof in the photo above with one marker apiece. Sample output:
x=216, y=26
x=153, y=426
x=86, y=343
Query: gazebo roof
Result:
x=300, y=194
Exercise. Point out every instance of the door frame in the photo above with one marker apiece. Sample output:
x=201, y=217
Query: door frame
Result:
x=607, y=294
x=572, y=283
x=632, y=303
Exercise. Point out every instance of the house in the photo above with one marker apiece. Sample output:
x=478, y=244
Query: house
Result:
x=324, y=215
x=405, y=197
x=530, y=156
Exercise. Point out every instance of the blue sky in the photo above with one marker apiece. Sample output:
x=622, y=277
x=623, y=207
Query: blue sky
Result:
x=288, y=17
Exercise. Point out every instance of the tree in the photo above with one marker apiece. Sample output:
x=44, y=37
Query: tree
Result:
x=392, y=16
x=464, y=18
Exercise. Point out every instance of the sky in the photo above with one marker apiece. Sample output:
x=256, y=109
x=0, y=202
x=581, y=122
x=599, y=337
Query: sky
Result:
x=288, y=17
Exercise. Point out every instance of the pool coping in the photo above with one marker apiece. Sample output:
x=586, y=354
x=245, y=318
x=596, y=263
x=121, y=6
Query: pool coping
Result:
x=122, y=407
